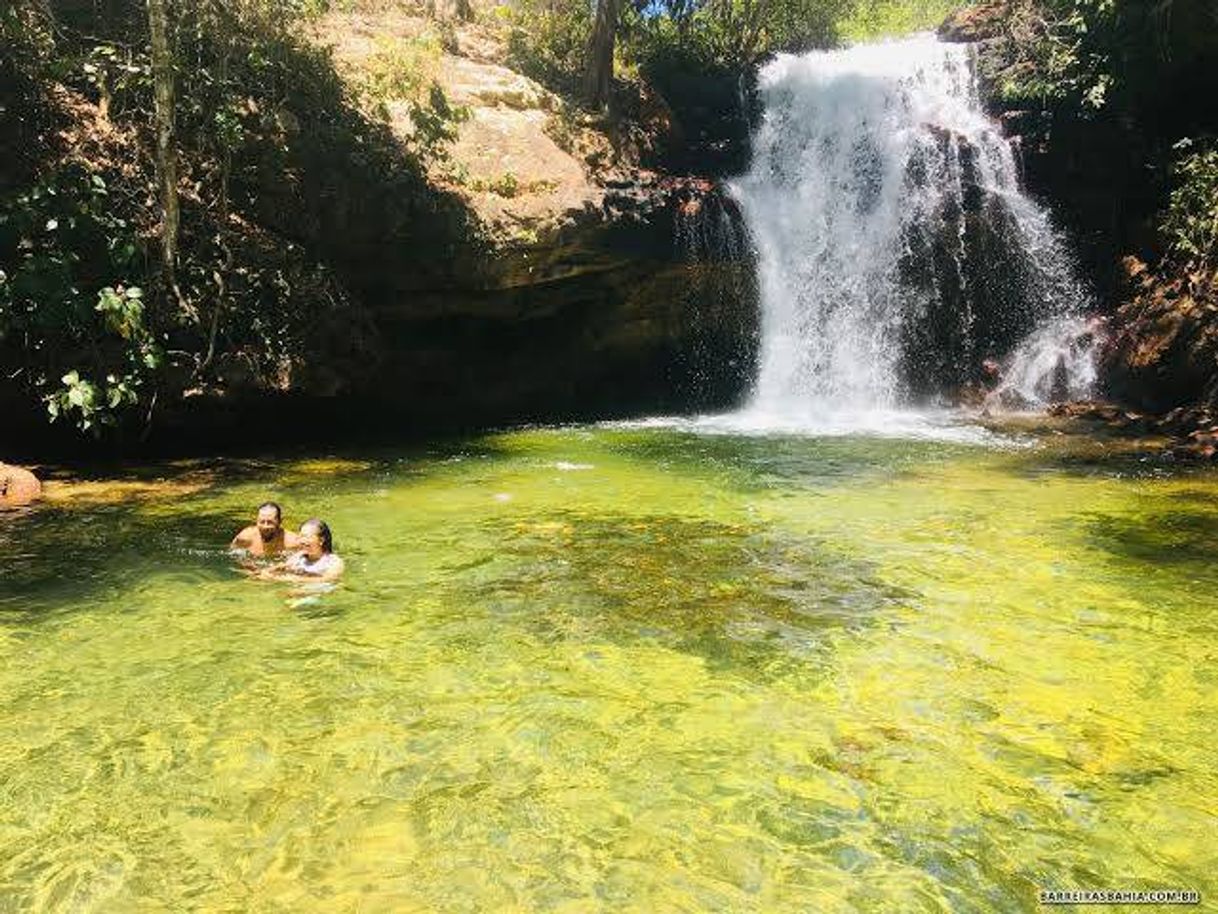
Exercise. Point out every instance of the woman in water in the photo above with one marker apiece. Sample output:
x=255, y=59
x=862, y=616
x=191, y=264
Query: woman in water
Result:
x=315, y=559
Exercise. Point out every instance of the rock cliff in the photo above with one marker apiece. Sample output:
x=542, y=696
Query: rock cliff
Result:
x=1107, y=177
x=560, y=279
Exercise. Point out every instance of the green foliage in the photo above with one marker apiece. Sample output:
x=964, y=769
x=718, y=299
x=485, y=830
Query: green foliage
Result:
x=401, y=73
x=26, y=35
x=549, y=40
x=698, y=56
x=286, y=182
x=26, y=57
x=736, y=35
x=67, y=313
x=435, y=124
x=872, y=19
x=508, y=185
x=1064, y=54
x=402, y=68
x=1191, y=221
x=1146, y=71
x=1090, y=56
x=119, y=75
x=274, y=154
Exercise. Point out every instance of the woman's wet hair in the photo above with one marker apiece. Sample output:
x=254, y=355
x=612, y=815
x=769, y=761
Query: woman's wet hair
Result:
x=323, y=532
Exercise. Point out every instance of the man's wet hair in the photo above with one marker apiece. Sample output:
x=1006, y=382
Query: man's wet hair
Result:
x=275, y=505
x=323, y=532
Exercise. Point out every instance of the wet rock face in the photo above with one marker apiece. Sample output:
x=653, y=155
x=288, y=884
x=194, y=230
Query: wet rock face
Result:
x=967, y=278
x=1107, y=176
x=532, y=271
x=536, y=272
x=974, y=289
x=640, y=308
x=643, y=304
x=560, y=298
x=1102, y=171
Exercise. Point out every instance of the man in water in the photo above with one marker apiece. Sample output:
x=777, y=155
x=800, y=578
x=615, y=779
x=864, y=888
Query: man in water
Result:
x=266, y=538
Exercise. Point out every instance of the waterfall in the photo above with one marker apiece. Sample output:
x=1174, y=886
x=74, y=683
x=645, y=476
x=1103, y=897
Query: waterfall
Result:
x=897, y=256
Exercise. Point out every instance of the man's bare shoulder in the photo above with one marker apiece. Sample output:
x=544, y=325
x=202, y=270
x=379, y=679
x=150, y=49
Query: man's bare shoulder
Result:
x=245, y=538
x=290, y=539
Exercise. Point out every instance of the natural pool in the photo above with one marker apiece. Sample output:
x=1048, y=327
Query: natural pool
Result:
x=618, y=669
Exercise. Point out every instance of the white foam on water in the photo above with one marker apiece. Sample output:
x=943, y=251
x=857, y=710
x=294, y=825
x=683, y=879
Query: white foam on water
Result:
x=948, y=426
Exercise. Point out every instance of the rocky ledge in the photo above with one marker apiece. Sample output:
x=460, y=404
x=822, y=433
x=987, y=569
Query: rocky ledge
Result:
x=1162, y=354
x=562, y=280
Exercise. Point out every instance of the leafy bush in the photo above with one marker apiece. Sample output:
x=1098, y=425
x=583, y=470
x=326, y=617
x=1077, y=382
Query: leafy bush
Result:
x=1063, y=54
x=1139, y=71
x=1191, y=221
x=284, y=182
x=736, y=35
x=548, y=40
x=1089, y=56
x=405, y=70
x=26, y=36
x=69, y=314
x=402, y=68
x=871, y=19
x=699, y=56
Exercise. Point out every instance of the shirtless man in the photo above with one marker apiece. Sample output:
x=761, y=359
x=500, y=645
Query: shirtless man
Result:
x=266, y=538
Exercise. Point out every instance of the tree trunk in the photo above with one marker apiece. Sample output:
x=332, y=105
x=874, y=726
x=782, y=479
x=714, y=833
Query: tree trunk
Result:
x=166, y=161
x=598, y=77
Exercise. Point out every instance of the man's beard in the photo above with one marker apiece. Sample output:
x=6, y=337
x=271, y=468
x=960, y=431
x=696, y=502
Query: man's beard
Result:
x=267, y=537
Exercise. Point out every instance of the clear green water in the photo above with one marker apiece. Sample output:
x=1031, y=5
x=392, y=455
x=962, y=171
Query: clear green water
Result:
x=620, y=670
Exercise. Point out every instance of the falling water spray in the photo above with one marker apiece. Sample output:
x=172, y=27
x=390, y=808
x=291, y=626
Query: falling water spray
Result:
x=896, y=251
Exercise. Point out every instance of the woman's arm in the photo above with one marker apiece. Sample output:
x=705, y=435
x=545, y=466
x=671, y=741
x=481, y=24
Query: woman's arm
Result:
x=279, y=571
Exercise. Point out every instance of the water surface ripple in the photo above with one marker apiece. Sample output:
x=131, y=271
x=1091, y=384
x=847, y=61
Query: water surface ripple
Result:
x=617, y=669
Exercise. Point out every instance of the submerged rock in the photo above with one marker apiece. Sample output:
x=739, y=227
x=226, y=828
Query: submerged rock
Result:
x=1185, y=434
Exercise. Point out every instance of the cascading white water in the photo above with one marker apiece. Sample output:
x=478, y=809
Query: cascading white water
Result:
x=895, y=248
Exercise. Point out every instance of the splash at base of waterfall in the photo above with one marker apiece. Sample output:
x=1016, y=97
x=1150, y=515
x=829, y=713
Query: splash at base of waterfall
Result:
x=1055, y=364
x=956, y=426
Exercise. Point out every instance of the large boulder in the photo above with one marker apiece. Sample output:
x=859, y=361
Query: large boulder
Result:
x=1163, y=352
x=18, y=486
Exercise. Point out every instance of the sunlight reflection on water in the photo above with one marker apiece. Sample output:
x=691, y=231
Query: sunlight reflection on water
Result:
x=702, y=672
